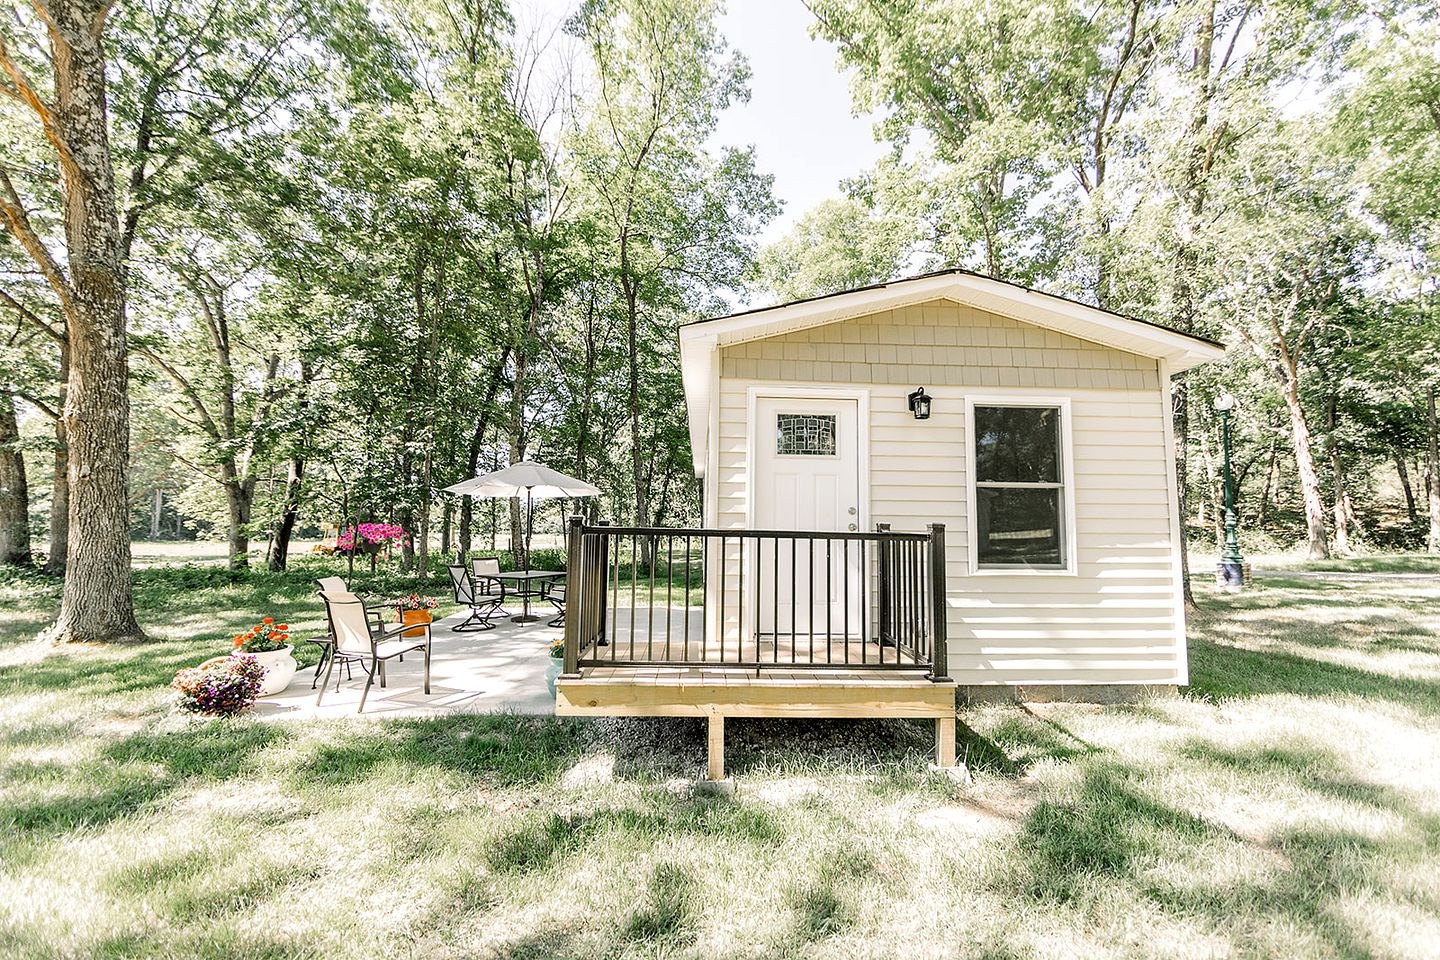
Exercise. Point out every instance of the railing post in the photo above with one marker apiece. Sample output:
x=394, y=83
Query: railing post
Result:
x=939, y=653
x=601, y=547
x=887, y=587
x=575, y=590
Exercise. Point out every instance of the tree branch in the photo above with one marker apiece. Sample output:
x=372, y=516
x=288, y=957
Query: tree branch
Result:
x=12, y=212
x=27, y=314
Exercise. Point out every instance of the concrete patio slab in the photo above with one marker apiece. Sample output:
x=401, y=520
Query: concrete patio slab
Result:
x=489, y=671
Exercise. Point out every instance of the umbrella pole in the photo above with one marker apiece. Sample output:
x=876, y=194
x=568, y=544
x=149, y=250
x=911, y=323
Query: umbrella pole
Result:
x=527, y=616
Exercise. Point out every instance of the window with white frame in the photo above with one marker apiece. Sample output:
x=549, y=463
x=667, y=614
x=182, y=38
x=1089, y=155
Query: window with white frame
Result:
x=1019, y=478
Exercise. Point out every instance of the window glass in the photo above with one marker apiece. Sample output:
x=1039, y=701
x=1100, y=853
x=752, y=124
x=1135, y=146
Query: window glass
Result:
x=1019, y=526
x=1020, y=519
x=1017, y=445
x=805, y=434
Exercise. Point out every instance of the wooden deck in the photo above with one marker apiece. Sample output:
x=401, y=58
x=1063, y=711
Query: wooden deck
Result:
x=719, y=692
x=758, y=648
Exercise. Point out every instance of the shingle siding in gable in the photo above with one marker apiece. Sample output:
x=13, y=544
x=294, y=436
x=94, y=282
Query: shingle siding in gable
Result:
x=938, y=342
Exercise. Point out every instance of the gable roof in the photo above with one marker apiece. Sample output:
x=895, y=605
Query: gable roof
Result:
x=701, y=340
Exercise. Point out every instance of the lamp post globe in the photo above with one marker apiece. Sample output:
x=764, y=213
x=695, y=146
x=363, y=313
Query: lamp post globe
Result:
x=1230, y=571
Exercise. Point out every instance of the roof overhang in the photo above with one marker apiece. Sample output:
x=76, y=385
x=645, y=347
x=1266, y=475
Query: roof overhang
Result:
x=701, y=341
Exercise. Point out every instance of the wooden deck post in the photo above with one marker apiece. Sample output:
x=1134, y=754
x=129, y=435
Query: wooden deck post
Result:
x=945, y=741
x=716, y=767
x=575, y=586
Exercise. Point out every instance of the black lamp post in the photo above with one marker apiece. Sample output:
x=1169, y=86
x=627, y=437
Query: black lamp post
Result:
x=1230, y=572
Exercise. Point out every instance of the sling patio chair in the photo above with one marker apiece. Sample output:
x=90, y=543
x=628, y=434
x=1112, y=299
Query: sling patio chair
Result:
x=355, y=642
x=468, y=593
x=326, y=643
x=555, y=593
x=484, y=574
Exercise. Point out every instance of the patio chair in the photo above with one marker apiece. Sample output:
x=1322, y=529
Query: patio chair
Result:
x=356, y=642
x=468, y=593
x=555, y=593
x=482, y=572
x=327, y=642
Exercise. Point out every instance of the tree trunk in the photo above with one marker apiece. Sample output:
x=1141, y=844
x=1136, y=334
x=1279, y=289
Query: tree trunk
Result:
x=14, y=490
x=1403, y=472
x=422, y=553
x=1267, y=489
x=1180, y=413
x=467, y=504
x=289, y=515
x=1432, y=471
x=157, y=511
x=60, y=486
x=1319, y=545
x=98, y=601
x=1215, y=491
x=1337, y=482
x=238, y=502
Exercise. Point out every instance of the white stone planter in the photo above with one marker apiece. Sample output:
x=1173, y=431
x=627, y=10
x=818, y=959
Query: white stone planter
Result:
x=279, y=669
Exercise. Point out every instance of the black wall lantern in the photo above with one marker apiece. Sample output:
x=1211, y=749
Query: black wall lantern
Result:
x=920, y=404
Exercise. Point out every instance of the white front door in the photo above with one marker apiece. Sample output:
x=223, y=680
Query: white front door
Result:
x=807, y=478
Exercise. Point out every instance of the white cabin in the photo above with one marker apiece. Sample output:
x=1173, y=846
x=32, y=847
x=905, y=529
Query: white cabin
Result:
x=1047, y=454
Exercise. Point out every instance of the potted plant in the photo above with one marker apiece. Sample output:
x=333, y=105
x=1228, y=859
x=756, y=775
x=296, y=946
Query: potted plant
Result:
x=220, y=686
x=557, y=663
x=417, y=609
x=269, y=643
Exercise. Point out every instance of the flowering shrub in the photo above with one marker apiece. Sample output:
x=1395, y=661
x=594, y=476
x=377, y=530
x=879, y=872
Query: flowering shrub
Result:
x=369, y=536
x=220, y=687
x=557, y=648
x=417, y=602
x=265, y=636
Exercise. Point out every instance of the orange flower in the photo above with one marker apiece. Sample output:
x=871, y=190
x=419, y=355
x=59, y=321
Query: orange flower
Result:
x=239, y=641
x=282, y=626
x=268, y=620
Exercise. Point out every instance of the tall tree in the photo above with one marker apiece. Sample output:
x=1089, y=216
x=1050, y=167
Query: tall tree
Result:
x=97, y=603
x=672, y=213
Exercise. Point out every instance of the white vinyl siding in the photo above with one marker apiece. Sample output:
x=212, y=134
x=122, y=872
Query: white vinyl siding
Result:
x=1116, y=619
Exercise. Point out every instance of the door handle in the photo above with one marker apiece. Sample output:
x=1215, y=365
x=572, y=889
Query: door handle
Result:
x=852, y=511
x=852, y=528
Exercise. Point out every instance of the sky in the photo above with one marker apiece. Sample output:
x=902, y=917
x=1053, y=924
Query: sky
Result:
x=799, y=116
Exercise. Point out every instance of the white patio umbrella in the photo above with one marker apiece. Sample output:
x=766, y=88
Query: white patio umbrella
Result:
x=534, y=481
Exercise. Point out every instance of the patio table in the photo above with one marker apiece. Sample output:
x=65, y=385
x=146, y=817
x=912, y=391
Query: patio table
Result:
x=530, y=583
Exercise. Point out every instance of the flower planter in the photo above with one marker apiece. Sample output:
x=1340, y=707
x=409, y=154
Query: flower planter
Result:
x=557, y=666
x=416, y=616
x=279, y=669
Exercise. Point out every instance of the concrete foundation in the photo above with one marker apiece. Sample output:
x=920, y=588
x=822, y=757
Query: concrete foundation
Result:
x=973, y=694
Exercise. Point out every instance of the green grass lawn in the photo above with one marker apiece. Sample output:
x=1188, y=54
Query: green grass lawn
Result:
x=1286, y=804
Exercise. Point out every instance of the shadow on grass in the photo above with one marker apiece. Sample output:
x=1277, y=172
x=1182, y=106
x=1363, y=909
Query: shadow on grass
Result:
x=94, y=807
x=216, y=943
x=1220, y=670
x=667, y=914
x=501, y=749
x=142, y=768
x=1112, y=838
x=541, y=839
x=822, y=905
x=1016, y=742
